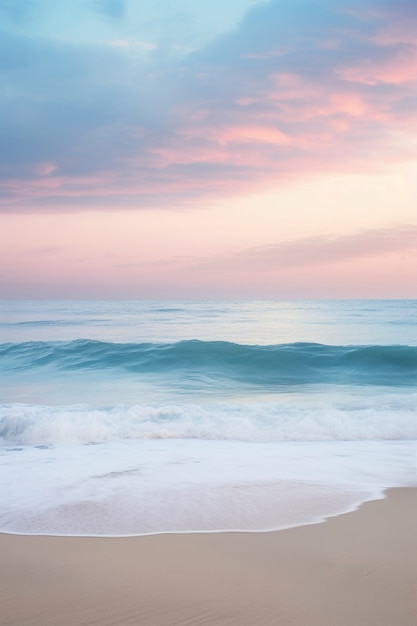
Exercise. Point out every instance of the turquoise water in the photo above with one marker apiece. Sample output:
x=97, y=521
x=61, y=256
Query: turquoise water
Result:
x=313, y=400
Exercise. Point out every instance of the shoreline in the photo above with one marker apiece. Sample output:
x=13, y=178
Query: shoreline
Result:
x=354, y=569
x=378, y=494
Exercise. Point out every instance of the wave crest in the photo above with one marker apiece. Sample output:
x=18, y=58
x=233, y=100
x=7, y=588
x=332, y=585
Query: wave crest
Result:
x=393, y=418
x=296, y=363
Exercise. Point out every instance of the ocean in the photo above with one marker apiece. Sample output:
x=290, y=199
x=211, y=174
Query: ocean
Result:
x=138, y=417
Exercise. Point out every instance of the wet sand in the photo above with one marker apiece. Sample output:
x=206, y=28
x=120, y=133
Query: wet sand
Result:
x=358, y=569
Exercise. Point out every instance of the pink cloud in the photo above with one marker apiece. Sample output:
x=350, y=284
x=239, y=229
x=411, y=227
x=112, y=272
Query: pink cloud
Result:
x=259, y=105
x=401, y=68
x=253, y=135
x=319, y=250
x=350, y=103
x=186, y=154
x=44, y=169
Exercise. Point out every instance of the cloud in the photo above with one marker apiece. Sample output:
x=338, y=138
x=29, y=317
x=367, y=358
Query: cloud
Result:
x=296, y=88
x=317, y=251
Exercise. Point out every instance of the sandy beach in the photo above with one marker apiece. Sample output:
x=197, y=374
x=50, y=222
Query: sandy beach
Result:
x=358, y=569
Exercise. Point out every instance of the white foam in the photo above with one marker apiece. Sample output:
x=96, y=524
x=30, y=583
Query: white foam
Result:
x=151, y=486
x=345, y=418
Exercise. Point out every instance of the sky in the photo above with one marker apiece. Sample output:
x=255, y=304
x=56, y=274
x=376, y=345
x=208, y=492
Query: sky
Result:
x=184, y=149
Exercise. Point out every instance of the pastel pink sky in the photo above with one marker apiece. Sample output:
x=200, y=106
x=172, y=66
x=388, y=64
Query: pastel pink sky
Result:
x=271, y=153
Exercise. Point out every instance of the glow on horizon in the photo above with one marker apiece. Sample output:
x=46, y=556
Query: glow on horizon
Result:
x=269, y=152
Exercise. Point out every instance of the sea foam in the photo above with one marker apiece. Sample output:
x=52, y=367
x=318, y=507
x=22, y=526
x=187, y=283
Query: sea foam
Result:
x=143, y=487
x=388, y=417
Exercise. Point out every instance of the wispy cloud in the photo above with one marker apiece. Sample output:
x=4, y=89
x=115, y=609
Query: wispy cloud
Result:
x=297, y=87
x=317, y=250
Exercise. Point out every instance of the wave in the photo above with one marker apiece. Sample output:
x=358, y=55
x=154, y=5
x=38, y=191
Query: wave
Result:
x=387, y=417
x=282, y=364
